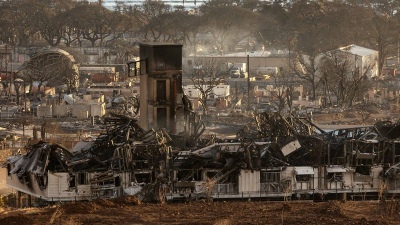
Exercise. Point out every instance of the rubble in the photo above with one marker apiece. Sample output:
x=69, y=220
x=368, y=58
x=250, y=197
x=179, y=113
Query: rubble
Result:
x=123, y=105
x=272, y=156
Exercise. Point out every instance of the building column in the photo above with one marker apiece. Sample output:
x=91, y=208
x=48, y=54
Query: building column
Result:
x=19, y=194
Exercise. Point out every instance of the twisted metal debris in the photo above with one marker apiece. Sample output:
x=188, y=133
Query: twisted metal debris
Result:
x=276, y=156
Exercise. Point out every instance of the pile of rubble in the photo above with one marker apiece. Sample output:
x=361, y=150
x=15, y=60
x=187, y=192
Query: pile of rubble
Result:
x=284, y=154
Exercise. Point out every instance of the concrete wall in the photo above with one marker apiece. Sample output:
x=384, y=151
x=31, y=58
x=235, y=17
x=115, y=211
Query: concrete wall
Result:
x=44, y=111
x=98, y=109
x=61, y=110
x=87, y=98
x=81, y=111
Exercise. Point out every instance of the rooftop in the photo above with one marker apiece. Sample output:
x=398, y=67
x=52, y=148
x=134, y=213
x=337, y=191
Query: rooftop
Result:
x=358, y=50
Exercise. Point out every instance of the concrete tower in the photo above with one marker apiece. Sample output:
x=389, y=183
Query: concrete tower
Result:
x=161, y=86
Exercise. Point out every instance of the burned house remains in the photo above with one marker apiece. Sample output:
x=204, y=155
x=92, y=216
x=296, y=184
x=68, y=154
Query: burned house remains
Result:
x=163, y=155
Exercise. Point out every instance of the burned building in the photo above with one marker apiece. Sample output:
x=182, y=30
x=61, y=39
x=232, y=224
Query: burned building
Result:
x=284, y=157
x=164, y=156
x=161, y=86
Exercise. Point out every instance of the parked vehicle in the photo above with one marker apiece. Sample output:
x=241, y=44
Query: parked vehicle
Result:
x=237, y=70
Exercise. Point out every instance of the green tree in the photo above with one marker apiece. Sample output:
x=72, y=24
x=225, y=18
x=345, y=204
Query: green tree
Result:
x=98, y=23
x=271, y=30
x=229, y=24
x=180, y=26
x=20, y=20
x=149, y=16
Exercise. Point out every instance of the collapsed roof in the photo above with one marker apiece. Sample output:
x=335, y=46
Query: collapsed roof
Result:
x=270, y=140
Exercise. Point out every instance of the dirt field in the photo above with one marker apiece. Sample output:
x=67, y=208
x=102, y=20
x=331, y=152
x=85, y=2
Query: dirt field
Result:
x=130, y=211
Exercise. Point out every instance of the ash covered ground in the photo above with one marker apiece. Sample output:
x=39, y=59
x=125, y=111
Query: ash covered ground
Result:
x=128, y=210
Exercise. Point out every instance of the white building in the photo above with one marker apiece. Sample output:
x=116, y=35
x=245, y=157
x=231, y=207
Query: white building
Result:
x=217, y=96
x=364, y=59
x=219, y=91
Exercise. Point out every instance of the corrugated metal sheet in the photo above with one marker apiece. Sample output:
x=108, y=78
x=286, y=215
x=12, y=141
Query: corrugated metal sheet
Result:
x=58, y=185
x=290, y=147
x=249, y=181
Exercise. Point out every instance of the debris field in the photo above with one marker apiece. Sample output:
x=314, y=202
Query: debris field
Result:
x=128, y=210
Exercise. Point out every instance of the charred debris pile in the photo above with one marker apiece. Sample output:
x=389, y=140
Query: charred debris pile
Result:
x=126, y=159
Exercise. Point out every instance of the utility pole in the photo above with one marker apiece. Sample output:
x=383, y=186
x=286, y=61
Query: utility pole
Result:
x=248, y=82
x=6, y=64
x=236, y=91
